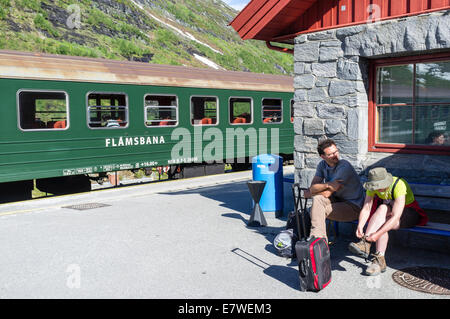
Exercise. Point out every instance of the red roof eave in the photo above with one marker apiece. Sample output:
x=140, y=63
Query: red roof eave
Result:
x=253, y=22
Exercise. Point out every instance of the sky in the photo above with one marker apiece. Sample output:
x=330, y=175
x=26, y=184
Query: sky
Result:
x=237, y=4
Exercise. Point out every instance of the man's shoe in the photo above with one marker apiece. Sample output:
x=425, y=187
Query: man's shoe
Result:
x=377, y=266
x=361, y=248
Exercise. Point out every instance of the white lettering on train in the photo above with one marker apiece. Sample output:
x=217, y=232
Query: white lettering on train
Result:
x=134, y=141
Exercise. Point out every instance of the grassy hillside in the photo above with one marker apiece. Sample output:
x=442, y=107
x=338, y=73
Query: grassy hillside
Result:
x=182, y=32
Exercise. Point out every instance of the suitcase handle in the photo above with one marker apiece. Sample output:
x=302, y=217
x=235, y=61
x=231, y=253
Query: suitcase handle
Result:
x=300, y=206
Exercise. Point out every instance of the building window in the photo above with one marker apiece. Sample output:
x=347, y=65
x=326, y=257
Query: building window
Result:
x=411, y=108
x=241, y=110
x=161, y=110
x=107, y=110
x=43, y=110
x=204, y=110
x=272, y=111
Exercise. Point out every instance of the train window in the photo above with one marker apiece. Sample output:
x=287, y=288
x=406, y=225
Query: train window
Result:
x=413, y=103
x=107, y=110
x=241, y=110
x=204, y=110
x=161, y=110
x=43, y=110
x=272, y=111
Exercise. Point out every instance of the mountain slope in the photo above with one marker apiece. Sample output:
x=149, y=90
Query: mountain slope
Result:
x=182, y=32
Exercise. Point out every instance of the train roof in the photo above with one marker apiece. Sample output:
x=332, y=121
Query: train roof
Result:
x=28, y=65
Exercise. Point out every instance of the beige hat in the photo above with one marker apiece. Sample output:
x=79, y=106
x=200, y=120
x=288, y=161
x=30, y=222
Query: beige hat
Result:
x=379, y=178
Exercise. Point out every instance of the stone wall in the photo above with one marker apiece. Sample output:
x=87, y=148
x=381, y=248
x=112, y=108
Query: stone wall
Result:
x=331, y=93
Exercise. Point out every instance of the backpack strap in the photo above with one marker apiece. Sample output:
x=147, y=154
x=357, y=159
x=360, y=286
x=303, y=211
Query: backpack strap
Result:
x=393, y=187
x=378, y=201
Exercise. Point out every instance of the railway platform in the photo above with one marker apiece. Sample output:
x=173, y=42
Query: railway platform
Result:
x=182, y=239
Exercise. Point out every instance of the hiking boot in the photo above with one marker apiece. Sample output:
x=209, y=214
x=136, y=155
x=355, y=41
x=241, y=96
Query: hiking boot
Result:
x=377, y=266
x=361, y=248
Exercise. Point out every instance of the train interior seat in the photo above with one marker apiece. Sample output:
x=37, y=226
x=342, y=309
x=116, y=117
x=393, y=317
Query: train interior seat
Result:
x=60, y=124
x=239, y=120
x=206, y=120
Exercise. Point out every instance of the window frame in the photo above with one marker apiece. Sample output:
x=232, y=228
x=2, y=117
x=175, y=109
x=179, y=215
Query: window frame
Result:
x=127, y=113
x=191, y=114
x=251, y=110
x=42, y=129
x=373, y=144
x=281, y=111
x=176, y=110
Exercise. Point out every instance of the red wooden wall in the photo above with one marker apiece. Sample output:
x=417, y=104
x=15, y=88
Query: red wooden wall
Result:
x=337, y=13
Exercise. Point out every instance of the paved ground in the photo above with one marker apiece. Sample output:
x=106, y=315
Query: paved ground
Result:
x=175, y=239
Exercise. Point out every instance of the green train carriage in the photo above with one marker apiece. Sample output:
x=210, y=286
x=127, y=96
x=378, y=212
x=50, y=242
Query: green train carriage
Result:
x=67, y=117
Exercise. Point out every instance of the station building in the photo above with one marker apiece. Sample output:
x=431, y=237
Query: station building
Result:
x=373, y=75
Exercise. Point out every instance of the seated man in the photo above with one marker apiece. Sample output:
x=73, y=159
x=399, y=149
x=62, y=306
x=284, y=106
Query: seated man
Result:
x=336, y=190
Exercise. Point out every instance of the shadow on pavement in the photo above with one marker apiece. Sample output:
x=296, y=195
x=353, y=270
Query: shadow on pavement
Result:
x=284, y=274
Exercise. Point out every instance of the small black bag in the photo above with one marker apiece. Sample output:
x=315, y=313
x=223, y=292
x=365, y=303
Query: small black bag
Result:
x=292, y=220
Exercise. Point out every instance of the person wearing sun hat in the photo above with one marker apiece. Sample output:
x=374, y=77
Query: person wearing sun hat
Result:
x=389, y=205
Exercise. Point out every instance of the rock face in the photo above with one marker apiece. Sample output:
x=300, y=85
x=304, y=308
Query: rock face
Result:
x=331, y=93
x=189, y=32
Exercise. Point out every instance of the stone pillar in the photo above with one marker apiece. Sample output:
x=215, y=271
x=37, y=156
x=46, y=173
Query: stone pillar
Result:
x=331, y=89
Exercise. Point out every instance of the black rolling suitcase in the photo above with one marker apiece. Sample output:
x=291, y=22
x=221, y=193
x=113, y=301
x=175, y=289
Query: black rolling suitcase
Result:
x=313, y=254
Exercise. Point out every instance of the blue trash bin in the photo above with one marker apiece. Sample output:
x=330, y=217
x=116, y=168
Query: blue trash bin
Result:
x=269, y=168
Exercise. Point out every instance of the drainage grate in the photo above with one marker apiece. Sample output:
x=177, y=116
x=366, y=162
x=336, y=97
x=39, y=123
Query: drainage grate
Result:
x=424, y=279
x=86, y=206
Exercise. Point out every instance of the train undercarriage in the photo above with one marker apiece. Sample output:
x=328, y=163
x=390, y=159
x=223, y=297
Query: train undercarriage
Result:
x=23, y=190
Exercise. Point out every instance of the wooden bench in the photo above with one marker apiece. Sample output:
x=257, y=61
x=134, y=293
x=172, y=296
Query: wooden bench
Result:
x=432, y=198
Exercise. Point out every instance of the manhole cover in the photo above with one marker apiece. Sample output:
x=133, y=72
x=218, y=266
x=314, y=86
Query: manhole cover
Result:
x=86, y=206
x=424, y=279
